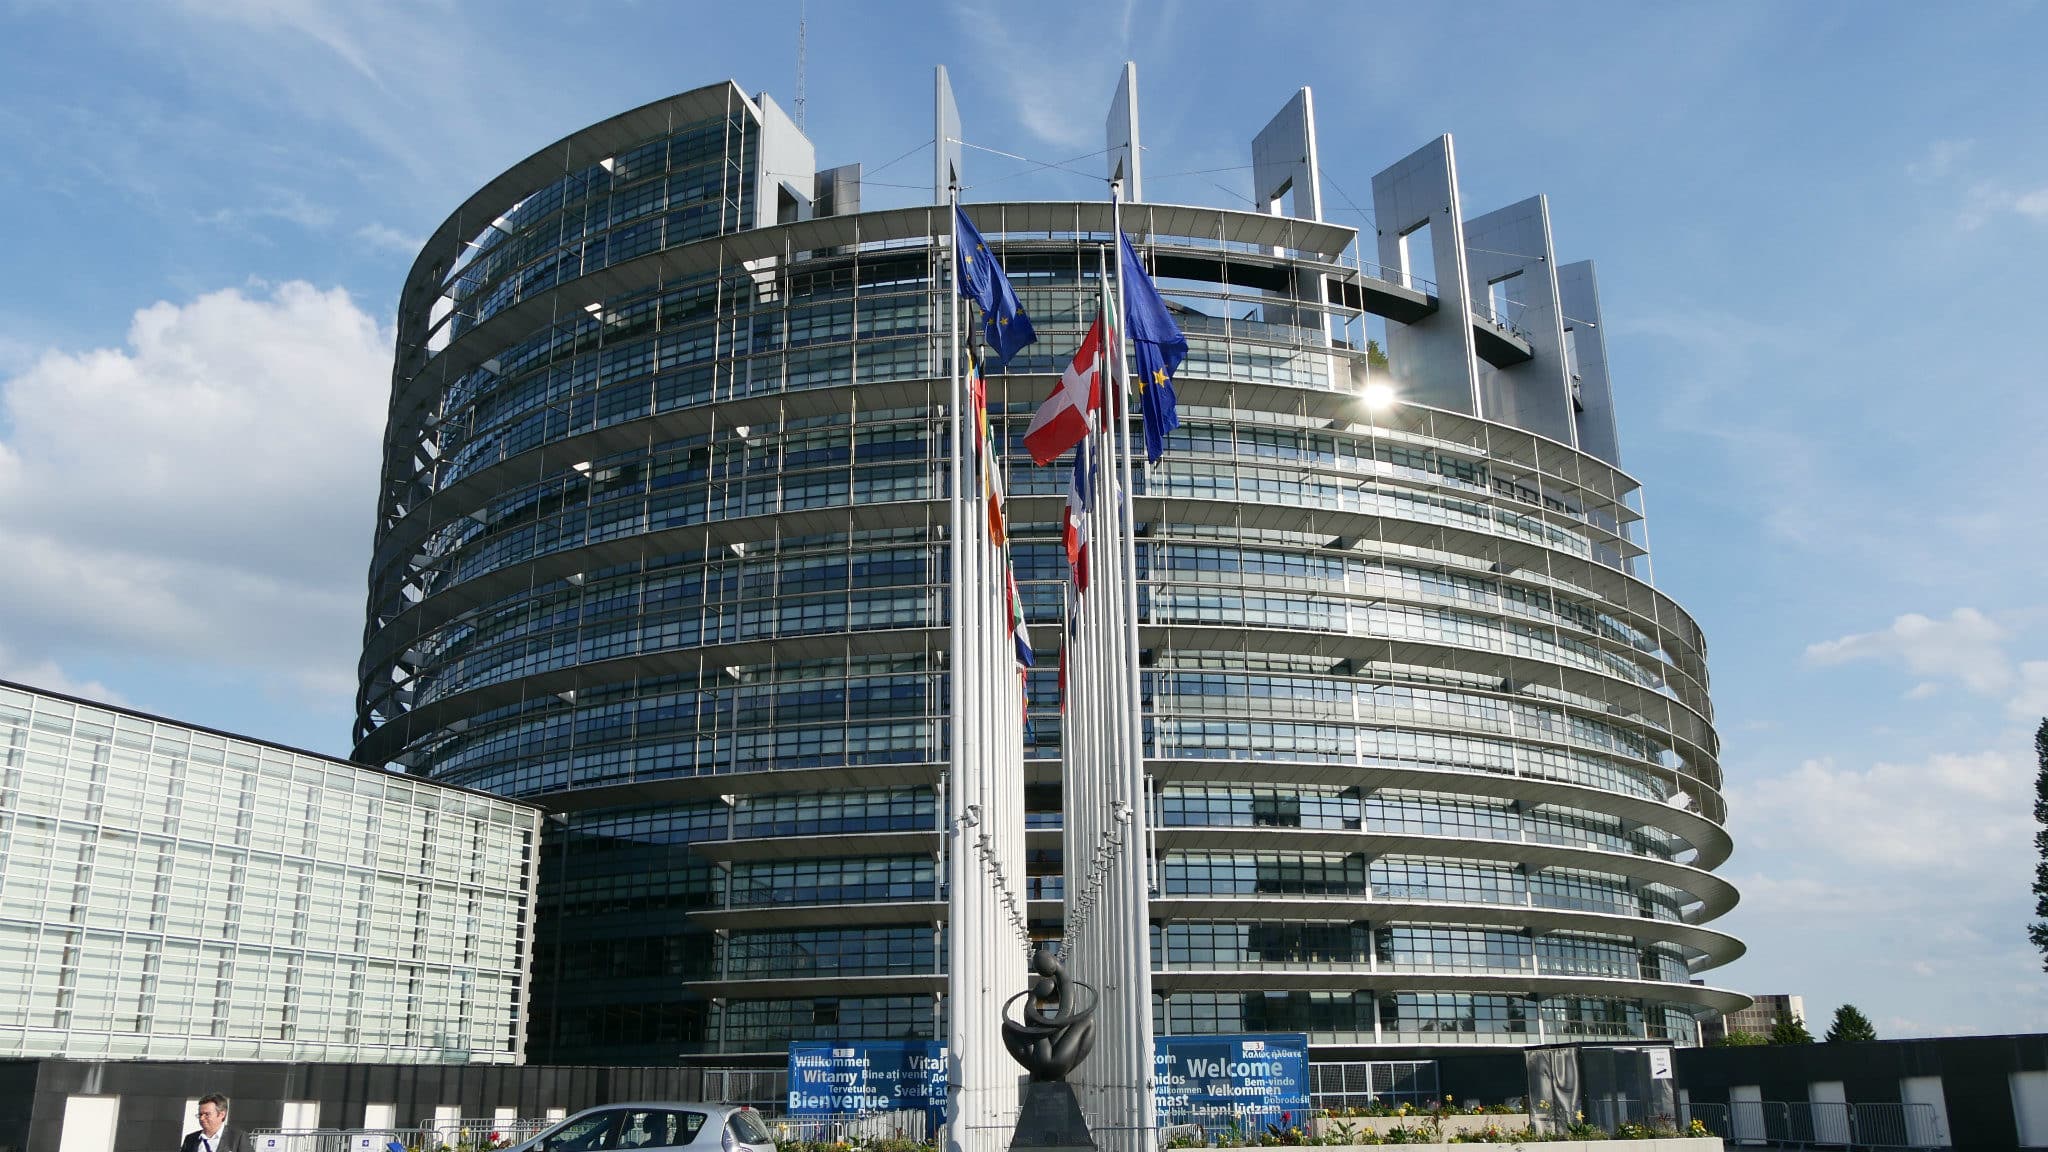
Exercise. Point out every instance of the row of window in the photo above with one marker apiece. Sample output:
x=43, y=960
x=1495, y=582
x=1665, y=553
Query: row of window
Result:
x=468, y=548
x=1420, y=813
x=1442, y=1015
x=595, y=617
x=593, y=875
x=60, y=986
x=910, y=809
x=644, y=754
x=1407, y=878
x=707, y=194
x=706, y=622
x=591, y=723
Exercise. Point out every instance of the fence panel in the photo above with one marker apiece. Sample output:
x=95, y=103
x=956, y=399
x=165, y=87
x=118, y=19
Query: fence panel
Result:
x=851, y=1128
x=764, y=1088
x=1748, y=1121
x=429, y=1136
x=1714, y=1116
x=1358, y=1083
x=1924, y=1127
x=1893, y=1126
x=1828, y=1123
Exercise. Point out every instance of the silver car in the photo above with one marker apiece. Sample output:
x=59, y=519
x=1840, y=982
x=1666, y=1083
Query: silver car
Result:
x=706, y=1127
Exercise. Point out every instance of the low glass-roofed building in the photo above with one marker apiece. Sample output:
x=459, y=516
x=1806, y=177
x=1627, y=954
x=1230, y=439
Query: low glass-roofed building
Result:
x=173, y=893
x=662, y=546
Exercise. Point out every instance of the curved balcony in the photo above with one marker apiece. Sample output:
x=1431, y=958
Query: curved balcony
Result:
x=1711, y=895
x=1716, y=948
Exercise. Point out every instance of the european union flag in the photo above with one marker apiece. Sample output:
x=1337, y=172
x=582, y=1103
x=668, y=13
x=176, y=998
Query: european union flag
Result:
x=981, y=280
x=1158, y=348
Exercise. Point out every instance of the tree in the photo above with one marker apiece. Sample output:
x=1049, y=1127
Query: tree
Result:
x=2038, y=931
x=1738, y=1039
x=1790, y=1029
x=1850, y=1026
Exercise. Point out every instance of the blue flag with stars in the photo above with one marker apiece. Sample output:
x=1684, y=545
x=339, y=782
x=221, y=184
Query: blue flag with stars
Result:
x=981, y=280
x=1158, y=348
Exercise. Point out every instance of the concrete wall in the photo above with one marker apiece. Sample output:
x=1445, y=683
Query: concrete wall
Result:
x=1578, y=294
x=1511, y=246
x=1434, y=360
x=1284, y=160
x=789, y=167
x=1126, y=158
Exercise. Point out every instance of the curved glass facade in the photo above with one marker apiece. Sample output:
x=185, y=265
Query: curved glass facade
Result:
x=662, y=547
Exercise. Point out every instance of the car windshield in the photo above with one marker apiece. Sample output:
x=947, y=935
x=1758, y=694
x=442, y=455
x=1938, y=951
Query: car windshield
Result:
x=582, y=1134
x=748, y=1128
x=658, y=1128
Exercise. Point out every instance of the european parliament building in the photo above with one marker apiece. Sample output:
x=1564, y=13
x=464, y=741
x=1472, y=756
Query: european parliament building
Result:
x=662, y=543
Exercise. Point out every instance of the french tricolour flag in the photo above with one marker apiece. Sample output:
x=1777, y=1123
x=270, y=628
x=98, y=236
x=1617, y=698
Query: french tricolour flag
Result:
x=1063, y=420
x=1074, y=527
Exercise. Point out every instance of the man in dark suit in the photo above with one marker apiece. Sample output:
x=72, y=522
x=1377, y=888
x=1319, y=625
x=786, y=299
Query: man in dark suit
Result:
x=215, y=1134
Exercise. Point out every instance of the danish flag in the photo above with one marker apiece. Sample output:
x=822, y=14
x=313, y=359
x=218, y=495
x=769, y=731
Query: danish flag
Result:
x=1064, y=419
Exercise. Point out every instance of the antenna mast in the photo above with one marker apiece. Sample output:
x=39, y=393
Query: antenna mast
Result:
x=801, y=27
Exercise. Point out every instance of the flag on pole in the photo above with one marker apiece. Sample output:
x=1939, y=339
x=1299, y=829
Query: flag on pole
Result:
x=982, y=455
x=1020, y=634
x=1064, y=419
x=1157, y=346
x=981, y=280
x=1074, y=529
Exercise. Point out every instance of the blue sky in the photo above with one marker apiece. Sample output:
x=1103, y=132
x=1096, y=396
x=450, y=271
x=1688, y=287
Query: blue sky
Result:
x=1819, y=229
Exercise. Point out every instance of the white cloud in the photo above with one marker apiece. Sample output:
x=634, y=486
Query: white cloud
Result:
x=1939, y=161
x=2030, y=698
x=1898, y=885
x=310, y=18
x=204, y=493
x=1057, y=88
x=389, y=239
x=1988, y=199
x=1915, y=815
x=1968, y=646
x=45, y=674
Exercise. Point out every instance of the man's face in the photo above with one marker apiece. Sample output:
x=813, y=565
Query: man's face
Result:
x=211, y=1118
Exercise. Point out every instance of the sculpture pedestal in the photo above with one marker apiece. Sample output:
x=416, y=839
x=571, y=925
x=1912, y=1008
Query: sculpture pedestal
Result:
x=1049, y=1119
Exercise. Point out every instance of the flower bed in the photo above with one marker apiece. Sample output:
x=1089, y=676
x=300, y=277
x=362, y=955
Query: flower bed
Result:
x=1440, y=1128
x=1573, y=1144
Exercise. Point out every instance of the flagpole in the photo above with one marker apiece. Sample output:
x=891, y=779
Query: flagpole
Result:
x=956, y=829
x=1131, y=864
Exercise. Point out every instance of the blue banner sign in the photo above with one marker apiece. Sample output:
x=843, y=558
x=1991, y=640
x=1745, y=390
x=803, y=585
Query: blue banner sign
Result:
x=1259, y=1073
x=865, y=1076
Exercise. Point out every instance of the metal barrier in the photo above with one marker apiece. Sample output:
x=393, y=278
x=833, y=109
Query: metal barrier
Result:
x=765, y=1089
x=1358, y=1083
x=512, y=1128
x=1713, y=1116
x=905, y=1125
x=1895, y=1126
x=1607, y=1112
x=457, y=1135
x=1612, y=1111
x=1806, y=1124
